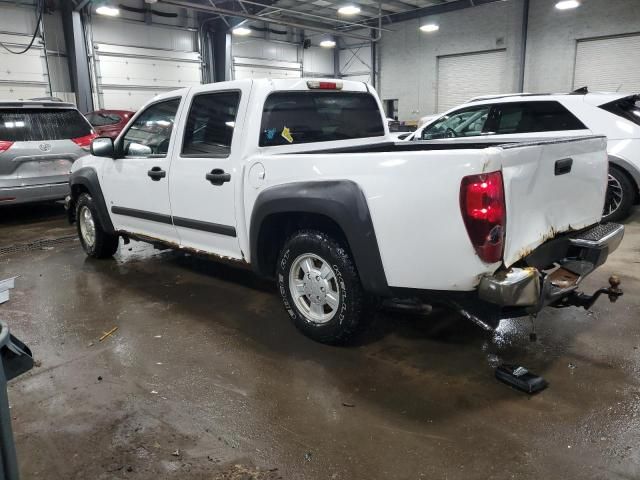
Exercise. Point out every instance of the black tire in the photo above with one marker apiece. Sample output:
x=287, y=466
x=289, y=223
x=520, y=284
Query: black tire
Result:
x=618, y=184
x=351, y=311
x=105, y=244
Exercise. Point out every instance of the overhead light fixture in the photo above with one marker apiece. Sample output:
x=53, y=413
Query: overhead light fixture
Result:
x=108, y=9
x=567, y=4
x=430, y=27
x=328, y=43
x=242, y=31
x=349, y=10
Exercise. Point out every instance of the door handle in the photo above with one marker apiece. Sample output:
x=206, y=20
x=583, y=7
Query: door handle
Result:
x=563, y=166
x=156, y=173
x=218, y=177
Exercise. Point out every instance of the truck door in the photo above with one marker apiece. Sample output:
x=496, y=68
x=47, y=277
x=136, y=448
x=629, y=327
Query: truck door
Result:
x=136, y=186
x=206, y=171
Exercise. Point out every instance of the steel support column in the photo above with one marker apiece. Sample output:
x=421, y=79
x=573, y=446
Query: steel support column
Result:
x=77, y=57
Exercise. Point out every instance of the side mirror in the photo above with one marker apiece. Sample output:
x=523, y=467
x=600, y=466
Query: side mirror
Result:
x=102, y=147
x=139, y=150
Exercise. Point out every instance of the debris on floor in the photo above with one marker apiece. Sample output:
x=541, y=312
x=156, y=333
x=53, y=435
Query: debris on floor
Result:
x=520, y=378
x=108, y=334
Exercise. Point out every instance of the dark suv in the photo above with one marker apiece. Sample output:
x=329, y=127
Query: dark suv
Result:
x=39, y=140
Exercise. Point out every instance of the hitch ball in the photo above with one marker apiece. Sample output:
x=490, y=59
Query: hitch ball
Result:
x=614, y=289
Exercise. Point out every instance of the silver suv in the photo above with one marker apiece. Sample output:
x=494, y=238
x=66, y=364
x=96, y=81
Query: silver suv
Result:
x=39, y=140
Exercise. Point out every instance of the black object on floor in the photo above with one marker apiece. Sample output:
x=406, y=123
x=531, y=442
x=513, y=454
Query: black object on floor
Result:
x=521, y=378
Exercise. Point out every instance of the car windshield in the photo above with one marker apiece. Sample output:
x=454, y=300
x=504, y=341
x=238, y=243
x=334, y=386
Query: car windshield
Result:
x=463, y=123
x=35, y=124
x=102, y=119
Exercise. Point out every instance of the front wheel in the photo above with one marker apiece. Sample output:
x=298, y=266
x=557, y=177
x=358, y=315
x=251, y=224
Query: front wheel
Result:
x=620, y=196
x=320, y=287
x=95, y=241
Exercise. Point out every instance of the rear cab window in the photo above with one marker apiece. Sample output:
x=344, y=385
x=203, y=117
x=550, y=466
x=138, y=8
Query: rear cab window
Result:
x=37, y=124
x=319, y=116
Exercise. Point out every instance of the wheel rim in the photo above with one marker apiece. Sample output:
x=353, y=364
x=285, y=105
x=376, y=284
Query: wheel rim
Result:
x=614, y=195
x=87, y=226
x=314, y=288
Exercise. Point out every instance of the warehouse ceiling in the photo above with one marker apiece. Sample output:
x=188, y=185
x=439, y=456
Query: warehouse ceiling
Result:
x=324, y=13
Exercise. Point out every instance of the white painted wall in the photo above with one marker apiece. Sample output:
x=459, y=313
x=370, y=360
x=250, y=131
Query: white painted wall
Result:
x=408, y=57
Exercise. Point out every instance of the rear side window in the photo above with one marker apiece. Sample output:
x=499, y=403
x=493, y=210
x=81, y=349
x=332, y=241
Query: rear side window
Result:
x=628, y=107
x=103, y=119
x=210, y=124
x=531, y=117
x=36, y=124
x=305, y=117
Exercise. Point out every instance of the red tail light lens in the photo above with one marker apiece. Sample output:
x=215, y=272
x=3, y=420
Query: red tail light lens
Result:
x=5, y=145
x=84, y=142
x=484, y=214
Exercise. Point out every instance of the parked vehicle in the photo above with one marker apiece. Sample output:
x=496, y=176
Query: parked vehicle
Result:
x=39, y=140
x=530, y=116
x=109, y=123
x=300, y=180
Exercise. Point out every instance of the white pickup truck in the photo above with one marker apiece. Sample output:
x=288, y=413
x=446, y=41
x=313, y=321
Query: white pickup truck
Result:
x=300, y=180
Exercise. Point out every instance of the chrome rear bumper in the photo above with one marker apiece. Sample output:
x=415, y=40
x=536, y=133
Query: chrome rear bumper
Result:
x=534, y=289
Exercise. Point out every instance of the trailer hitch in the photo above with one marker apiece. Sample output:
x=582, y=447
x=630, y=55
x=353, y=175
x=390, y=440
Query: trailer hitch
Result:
x=579, y=299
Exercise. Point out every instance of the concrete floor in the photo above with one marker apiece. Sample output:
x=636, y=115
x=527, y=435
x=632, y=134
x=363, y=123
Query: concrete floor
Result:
x=206, y=378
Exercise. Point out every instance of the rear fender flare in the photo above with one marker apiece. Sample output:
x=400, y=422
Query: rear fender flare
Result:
x=344, y=203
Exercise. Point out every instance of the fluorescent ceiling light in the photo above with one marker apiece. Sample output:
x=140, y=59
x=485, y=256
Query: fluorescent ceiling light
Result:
x=349, y=10
x=567, y=4
x=430, y=27
x=327, y=43
x=242, y=31
x=108, y=10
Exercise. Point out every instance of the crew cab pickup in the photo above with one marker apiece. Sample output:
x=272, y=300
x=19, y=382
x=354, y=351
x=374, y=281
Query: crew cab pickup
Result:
x=300, y=180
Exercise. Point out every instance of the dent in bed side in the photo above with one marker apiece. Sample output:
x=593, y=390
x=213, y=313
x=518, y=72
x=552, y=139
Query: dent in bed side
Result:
x=86, y=178
x=341, y=201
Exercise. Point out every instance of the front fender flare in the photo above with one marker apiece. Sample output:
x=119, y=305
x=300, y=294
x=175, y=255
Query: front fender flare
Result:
x=343, y=202
x=87, y=177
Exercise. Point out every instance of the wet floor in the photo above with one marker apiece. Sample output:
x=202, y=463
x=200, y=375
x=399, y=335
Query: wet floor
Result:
x=206, y=378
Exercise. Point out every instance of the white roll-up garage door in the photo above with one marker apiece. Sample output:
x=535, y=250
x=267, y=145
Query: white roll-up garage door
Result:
x=260, y=58
x=133, y=65
x=608, y=64
x=21, y=76
x=461, y=77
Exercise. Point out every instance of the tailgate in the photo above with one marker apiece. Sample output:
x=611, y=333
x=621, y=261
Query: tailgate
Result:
x=551, y=187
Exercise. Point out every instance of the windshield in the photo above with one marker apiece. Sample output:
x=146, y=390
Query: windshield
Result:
x=35, y=124
x=101, y=119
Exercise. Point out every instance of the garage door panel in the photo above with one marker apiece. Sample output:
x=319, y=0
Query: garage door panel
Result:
x=608, y=64
x=461, y=77
x=243, y=72
x=22, y=92
x=144, y=72
x=128, y=99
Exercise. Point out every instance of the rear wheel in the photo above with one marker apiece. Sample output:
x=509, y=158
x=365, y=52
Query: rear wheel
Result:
x=620, y=196
x=95, y=241
x=320, y=287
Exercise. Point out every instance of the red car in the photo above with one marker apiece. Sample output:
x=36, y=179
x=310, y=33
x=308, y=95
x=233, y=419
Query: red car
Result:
x=109, y=123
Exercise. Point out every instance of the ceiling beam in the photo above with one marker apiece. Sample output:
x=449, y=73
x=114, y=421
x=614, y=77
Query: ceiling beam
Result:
x=277, y=21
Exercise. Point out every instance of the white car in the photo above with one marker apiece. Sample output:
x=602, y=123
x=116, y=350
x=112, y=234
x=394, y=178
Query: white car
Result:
x=300, y=180
x=531, y=116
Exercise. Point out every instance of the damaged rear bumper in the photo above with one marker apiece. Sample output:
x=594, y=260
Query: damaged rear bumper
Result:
x=551, y=274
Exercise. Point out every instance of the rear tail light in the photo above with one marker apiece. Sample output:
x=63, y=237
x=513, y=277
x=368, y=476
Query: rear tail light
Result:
x=322, y=85
x=5, y=145
x=84, y=142
x=484, y=214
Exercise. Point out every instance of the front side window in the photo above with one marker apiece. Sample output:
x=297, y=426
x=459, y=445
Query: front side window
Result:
x=150, y=134
x=35, y=124
x=532, y=117
x=304, y=117
x=210, y=124
x=627, y=107
x=469, y=122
